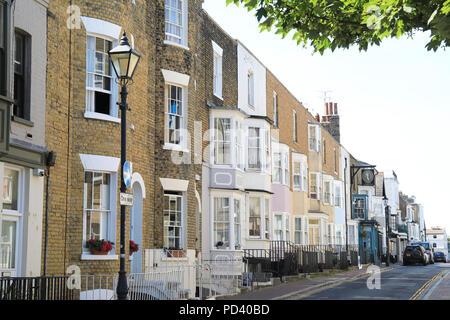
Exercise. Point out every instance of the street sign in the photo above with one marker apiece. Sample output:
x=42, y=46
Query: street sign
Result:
x=126, y=199
x=126, y=173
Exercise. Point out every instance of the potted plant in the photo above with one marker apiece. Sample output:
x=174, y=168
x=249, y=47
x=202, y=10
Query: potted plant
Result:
x=100, y=247
x=134, y=247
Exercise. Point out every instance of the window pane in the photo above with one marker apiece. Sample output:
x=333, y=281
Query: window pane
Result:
x=10, y=189
x=255, y=217
x=8, y=245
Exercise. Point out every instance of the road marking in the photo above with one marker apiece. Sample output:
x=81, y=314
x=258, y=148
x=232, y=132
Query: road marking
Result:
x=426, y=285
x=301, y=294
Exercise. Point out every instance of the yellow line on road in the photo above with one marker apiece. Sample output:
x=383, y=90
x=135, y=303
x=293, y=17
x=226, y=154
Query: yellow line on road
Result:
x=426, y=285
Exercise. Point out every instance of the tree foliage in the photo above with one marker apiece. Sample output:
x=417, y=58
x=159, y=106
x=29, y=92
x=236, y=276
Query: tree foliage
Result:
x=331, y=24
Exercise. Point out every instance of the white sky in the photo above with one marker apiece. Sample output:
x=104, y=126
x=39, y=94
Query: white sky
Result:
x=394, y=101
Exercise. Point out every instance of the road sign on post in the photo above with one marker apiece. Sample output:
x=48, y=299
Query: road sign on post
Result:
x=126, y=173
x=126, y=199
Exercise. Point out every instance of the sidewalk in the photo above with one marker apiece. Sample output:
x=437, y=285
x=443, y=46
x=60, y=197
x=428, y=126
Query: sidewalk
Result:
x=302, y=285
x=441, y=290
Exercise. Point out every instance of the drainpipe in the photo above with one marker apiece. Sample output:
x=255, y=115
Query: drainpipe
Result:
x=51, y=158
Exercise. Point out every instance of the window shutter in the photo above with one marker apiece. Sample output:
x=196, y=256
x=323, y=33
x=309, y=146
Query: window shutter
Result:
x=5, y=120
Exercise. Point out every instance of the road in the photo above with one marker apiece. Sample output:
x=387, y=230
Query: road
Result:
x=402, y=283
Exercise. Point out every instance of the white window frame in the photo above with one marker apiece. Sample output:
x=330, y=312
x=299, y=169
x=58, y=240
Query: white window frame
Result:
x=105, y=214
x=180, y=80
x=267, y=222
x=90, y=112
x=180, y=196
x=287, y=227
x=262, y=217
x=277, y=168
x=328, y=192
x=314, y=142
x=108, y=165
x=217, y=70
x=297, y=173
x=259, y=148
x=222, y=139
x=182, y=40
x=278, y=227
x=318, y=189
x=338, y=197
x=287, y=176
x=251, y=89
x=16, y=216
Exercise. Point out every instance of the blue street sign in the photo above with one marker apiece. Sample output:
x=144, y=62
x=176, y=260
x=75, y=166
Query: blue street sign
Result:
x=126, y=173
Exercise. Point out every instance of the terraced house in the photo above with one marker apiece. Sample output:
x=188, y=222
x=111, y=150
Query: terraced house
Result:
x=231, y=175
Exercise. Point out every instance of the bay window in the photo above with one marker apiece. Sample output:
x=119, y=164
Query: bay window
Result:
x=222, y=222
x=287, y=226
x=327, y=192
x=337, y=194
x=254, y=148
x=226, y=222
x=237, y=223
x=278, y=227
x=222, y=141
x=267, y=218
x=296, y=172
x=254, y=216
x=277, y=168
x=287, y=177
x=298, y=230
x=239, y=147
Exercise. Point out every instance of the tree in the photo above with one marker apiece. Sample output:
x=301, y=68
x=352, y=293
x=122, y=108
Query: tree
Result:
x=331, y=24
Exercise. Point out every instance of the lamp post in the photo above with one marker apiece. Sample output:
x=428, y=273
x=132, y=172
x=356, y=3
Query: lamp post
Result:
x=387, y=215
x=124, y=60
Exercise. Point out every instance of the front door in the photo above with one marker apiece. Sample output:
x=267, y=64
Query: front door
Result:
x=136, y=228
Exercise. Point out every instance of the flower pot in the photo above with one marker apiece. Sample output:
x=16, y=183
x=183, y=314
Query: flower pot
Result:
x=177, y=253
x=97, y=252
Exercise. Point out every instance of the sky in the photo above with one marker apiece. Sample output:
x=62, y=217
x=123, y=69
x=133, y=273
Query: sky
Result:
x=394, y=101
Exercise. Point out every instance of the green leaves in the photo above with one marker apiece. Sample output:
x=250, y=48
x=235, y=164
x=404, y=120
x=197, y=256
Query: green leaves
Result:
x=331, y=24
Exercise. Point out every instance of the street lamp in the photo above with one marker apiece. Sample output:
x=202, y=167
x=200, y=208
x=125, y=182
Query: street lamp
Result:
x=124, y=60
x=387, y=214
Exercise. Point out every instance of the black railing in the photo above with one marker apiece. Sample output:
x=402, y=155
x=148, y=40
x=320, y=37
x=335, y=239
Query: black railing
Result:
x=35, y=288
x=285, y=258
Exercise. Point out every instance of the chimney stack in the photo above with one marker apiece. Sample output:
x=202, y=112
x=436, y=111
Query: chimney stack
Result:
x=331, y=120
x=318, y=117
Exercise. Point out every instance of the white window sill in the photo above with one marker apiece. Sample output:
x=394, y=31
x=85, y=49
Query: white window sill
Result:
x=175, y=147
x=182, y=46
x=88, y=256
x=218, y=96
x=181, y=259
x=101, y=116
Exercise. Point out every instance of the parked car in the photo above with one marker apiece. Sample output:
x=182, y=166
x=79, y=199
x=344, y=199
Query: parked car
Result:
x=415, y=254
x=440, y=256
x=428, y=249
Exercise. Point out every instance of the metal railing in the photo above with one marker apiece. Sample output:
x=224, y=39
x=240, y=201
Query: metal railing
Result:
x=35, y=288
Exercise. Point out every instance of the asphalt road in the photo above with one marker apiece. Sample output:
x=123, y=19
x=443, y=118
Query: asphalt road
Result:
x=402, y=283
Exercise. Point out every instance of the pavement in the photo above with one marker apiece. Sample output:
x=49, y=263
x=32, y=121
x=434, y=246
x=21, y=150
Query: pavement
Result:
x=440, y=290
x=293, y=289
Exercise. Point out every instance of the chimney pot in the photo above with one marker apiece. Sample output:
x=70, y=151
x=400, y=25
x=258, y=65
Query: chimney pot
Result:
x=335, y=109
x=326, y=108
x=318, y=117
